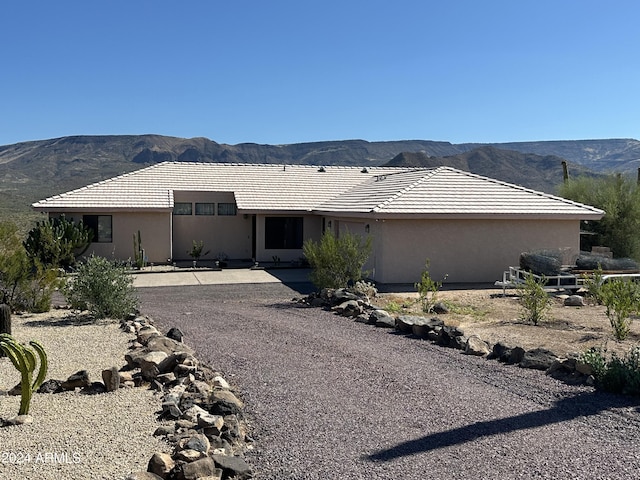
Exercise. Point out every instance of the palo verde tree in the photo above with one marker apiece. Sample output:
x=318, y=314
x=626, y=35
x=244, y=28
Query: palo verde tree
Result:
x=619, y=197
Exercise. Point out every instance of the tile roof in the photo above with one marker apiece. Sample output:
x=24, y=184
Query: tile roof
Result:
x=256, y=186
x=336, y=189
x=449, y=191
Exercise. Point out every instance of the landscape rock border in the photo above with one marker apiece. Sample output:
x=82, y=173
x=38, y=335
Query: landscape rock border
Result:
x=203, y=416
x=351, y=304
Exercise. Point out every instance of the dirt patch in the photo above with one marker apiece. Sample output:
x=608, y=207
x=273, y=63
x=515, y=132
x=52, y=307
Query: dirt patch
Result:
x=494, y=318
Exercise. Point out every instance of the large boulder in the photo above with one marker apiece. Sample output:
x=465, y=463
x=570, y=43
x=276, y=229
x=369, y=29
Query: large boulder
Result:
x=424, y=326
x=476, y=346
x=538, y=358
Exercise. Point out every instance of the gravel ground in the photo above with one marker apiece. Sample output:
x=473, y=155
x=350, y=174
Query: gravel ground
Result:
x=76, y=436
x=330, y=398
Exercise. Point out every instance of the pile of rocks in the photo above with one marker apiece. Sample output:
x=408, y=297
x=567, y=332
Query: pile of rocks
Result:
x=207, y=431
x=349, y=303
x=202, y=417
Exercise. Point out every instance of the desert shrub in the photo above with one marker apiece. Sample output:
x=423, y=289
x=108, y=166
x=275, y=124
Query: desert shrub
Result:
x=394, y=307
x=596, y=358
x=25, y=284
x=364, y=288
x=14, y=264
x=534, y=300
x=593, y=284
x=34, y=295
x=337, y=262
x=621, y=298
x=615, y=374
x=57, y=241
x=103, y=288
x=427, y=289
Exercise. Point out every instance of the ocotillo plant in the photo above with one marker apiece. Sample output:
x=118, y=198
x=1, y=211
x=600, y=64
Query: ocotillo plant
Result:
x=24, y=360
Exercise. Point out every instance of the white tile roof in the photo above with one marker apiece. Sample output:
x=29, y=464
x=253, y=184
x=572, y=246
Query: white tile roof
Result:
x=449, y=191
x=337, y=189
x=256, y=186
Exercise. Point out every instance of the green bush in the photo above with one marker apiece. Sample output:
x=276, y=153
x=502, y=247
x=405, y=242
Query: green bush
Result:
x=620, y=297
x=103, y=288
x=427, y=290
x=615, y=374
x=534, y=299
x=25, y=284
x=14, y=264
x=619, y=197
x=593, y=284
x=35, y=294
x=337, y=262
x=57, y=241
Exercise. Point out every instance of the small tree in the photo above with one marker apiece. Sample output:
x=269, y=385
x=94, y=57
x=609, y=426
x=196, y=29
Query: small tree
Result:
x=621, y=299
x=337, y=261
x=197, y=251
x=534, y=299
x=428, y=289
x=103, y=288
x=14, y=264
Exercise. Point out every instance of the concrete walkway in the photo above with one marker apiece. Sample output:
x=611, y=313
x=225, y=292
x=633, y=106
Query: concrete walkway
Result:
x=220, y=277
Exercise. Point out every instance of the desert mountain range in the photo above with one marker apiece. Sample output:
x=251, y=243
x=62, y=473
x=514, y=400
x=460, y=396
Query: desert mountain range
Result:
x=30, y=171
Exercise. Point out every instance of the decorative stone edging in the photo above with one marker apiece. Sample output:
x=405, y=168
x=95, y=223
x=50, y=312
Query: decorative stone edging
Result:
x=350, y=304
x=208, y=434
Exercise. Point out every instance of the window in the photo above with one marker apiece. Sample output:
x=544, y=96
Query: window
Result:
x=205, y=208
x=227, y=209
x=283, y=232
x=182, y=208
x=101, y=227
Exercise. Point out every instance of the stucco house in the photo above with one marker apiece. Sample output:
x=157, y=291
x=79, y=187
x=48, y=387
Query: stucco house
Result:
x=469, y=227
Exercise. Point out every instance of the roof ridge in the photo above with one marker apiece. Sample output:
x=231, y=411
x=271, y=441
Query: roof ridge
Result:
x=428, y=174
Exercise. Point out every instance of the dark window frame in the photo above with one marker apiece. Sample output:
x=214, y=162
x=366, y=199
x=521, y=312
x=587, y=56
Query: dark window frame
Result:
x=200, y=205
x=177, y=208
x=227, y=209
x=101, y=226
x=283, y=233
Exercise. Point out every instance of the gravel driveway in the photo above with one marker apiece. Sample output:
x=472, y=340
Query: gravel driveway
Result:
x=330, y=398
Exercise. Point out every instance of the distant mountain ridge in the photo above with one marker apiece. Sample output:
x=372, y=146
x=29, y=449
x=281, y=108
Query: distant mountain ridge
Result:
x=543, y=173
x=30, y=171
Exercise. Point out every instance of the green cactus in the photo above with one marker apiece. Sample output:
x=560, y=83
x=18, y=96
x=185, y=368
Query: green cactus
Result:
x=24, y=359
x=138, y=251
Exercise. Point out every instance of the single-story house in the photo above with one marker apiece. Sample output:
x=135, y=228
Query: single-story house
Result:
x=469, y=227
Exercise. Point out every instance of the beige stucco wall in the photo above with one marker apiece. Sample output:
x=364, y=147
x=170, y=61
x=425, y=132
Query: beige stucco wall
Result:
x=464, y=250
x=228, y=235
x=311, y=229
x=155, y=232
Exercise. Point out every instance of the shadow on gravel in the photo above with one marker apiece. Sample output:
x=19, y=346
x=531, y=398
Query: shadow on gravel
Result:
x=68, y=321
x=581, y=405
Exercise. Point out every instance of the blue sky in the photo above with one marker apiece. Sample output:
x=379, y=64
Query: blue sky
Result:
x=290, y=71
